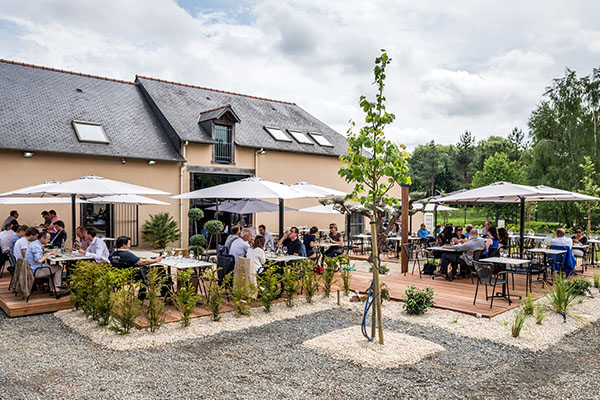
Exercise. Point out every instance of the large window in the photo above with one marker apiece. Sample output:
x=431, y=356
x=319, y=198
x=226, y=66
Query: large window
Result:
x=224, y=145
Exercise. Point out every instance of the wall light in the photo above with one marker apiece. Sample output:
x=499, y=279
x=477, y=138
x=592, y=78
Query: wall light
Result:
x=28, y=154
x=151, y=162
x=123, y=161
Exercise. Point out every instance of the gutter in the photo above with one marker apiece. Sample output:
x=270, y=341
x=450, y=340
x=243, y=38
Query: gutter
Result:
x=181, y=174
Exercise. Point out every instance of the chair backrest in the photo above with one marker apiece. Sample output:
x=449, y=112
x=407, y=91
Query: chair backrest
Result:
x=303, y=251
x=225, y=264
x=120, y=265
x=477, y=255
x=408, y=250
x=557, y=259
x=222, y=250
x=23, y=278
x=12, y=260
x=492, y=252
x=484, y=272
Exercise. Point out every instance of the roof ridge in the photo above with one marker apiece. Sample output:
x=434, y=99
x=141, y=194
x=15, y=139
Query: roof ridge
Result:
x=215, y=109
x=213, y=90
x=66, y=71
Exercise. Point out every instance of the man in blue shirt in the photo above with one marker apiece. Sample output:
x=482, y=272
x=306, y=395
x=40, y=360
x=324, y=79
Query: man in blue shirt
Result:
x=423, y=233
x=37, y=261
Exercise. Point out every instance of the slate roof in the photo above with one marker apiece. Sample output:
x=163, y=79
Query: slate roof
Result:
x=181, y=105
x=38, y=105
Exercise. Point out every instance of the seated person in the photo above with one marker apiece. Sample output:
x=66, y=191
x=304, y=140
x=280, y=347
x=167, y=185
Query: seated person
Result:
x=21, y=245
x=488, y=225
x=6, y=235
x=503, y=238
x=423, y=233
x=560, y=239
x=291, y=241
x=335, y=238
x=37, y=259
x=457, y=236
x=97, y=248
x=82, y=242
x=256, y=253
x=581, y=239
x=123, y=256
x=235, y=235
x=262, y=231
x=468, y=228
x=20, y=234
x=491, y=241
x=445, y=236
x=395, y=230
x=61, y=235
x=310, y=242
x=437, y=230
x=47, y=219
x=240, y=246
x=465, y=259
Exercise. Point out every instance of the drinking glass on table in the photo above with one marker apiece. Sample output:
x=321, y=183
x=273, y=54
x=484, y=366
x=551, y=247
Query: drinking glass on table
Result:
x=284, y=250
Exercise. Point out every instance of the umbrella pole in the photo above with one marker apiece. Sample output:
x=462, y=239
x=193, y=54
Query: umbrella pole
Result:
x=435, y=216
x=280, y=218
x=73, y=196
x=522, y=225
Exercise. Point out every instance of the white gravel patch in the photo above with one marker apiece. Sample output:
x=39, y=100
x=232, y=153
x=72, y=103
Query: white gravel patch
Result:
x=363, y=266
x=199, y=327
x=498, y=329
x=350, y=345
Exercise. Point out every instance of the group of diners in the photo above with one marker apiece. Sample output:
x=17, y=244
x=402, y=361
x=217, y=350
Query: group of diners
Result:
x=242, y=242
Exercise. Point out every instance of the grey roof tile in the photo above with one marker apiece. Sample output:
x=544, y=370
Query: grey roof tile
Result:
x=182, y=105
x=38, y=105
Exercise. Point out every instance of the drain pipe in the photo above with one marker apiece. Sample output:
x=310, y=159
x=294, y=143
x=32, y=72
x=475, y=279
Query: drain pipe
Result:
x=181, y=174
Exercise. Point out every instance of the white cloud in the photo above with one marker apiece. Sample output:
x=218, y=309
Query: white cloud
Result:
x=463, y=65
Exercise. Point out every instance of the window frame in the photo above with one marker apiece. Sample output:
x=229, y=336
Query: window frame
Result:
x=289, y=139
x=75, y=122
x=297, y=131
x=313, y=135
x=231, y=132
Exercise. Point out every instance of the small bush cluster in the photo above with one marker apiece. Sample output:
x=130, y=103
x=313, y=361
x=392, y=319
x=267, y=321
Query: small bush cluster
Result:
x=417, y=301
x=579, y=287
x=242, y=294
x=185, y=298
x=310, y=279
x=268, y=286
x=331, y=266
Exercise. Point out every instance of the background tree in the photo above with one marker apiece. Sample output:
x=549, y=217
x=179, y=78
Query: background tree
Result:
x=374, y=165
x=464, y=157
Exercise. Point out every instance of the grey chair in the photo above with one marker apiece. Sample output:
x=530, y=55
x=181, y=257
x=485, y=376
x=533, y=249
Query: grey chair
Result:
x=485, y=276
x=414, y=256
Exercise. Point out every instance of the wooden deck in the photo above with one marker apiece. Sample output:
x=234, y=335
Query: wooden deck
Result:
x=39, y=303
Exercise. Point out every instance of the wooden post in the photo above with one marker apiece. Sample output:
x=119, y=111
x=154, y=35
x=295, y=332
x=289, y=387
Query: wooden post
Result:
x=404, y=227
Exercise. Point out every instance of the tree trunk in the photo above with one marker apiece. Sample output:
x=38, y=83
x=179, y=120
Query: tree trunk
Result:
x=376, y=285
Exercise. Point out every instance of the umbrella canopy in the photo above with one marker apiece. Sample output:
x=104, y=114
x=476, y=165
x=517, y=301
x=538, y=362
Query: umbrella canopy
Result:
x=249, y=206
x=37, y=200
x=255, y=187
x=321, y=209
x=431, y=207
x=29, y=190
x=128, y=199
x=318, y=191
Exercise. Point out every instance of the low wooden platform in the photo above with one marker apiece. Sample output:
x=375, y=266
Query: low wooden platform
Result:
x=456, y=295
x=39, y=303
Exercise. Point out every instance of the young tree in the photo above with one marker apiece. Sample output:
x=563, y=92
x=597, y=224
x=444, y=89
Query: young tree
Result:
x=465, y=156
x=590, y=188
x=375, y=165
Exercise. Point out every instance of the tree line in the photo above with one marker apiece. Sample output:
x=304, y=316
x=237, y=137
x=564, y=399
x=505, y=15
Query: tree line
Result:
x=560, y=149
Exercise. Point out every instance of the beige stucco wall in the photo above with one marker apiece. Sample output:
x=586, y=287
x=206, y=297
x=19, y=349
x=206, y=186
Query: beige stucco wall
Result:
x=19, y=172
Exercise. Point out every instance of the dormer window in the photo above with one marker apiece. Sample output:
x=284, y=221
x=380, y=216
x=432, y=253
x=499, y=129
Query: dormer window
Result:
x=220, y=124
x=91, y=132
x=224, y=145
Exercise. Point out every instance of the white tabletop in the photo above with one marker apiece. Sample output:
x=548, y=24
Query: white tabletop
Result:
x=547, y=251
x=184, y=263
x=440, y=248
x=395, y=238
x=285, y=259
x=363, y=236
x=327, y=245
x=144, y=253
x=70, y=257
x=504, y=260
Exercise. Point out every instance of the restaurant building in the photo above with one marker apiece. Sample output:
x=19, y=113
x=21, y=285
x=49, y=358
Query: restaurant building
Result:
x=61, y=125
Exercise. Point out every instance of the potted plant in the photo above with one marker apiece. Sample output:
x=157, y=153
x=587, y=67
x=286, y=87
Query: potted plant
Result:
x=160, y=230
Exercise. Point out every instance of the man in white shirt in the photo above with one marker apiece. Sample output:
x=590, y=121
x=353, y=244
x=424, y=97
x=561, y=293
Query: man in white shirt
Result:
x=235, y=235
x=240, y=247
x=6, y=235
x=262, y=231
x=560, y=239
x=20, y=249
x=97, y=247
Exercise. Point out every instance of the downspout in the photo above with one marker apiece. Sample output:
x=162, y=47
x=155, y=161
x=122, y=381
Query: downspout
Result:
x=181, y=174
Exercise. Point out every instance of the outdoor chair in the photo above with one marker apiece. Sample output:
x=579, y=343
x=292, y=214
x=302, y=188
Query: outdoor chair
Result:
x=225, y=265
x=413, y=254
x=493, y=252
x=485, y=276
x=3, y=260
x=12, y=266
x=535, y=267
x=556, y=261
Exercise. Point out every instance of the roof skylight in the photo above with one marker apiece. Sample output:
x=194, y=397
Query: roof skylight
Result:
x=278, y=134
x=319, y=138
x=300, y=137
x=90, y=132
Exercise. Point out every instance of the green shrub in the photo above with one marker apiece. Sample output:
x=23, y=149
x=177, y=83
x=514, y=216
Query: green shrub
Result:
x=268, y=286
x=383, y=268
x=346, y=280
x=597, y=280
x=104, y=288
x=154, y=284
x=562, y=297
x=243, y=292
x=126, y=307
x=213, y=226
x=331, y=265
x=528, y=305
x=385, y=292
x=290, y=282
x=214, y=301
x=517, y=325
x=540, y=312
x=196, y=252
x=579, y=287
x=198, y=240
x=417, y=301
x=185, y=298
x=310, y=280
x=160, y=230
x=195, y=215
x=92, y=286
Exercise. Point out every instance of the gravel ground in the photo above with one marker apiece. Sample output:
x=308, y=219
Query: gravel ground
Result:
x=42, y=358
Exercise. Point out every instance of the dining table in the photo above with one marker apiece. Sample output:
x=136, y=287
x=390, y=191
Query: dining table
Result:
x=504, y=262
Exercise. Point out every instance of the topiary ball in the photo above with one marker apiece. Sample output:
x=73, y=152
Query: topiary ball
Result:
x=198, y=240
x=213, y=226
x=195, y=214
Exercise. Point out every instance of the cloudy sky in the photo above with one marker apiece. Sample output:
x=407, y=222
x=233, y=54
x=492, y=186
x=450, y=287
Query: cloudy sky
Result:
x=456, y=65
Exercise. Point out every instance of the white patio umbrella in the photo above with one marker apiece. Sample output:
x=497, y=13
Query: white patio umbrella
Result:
x=249, y=206
x=37, y=200
x=506, y=192
x=318, y=191
x=431, y=207
x=242, y=189
x=128, y=199
x=86, y=186
x=321, y=209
